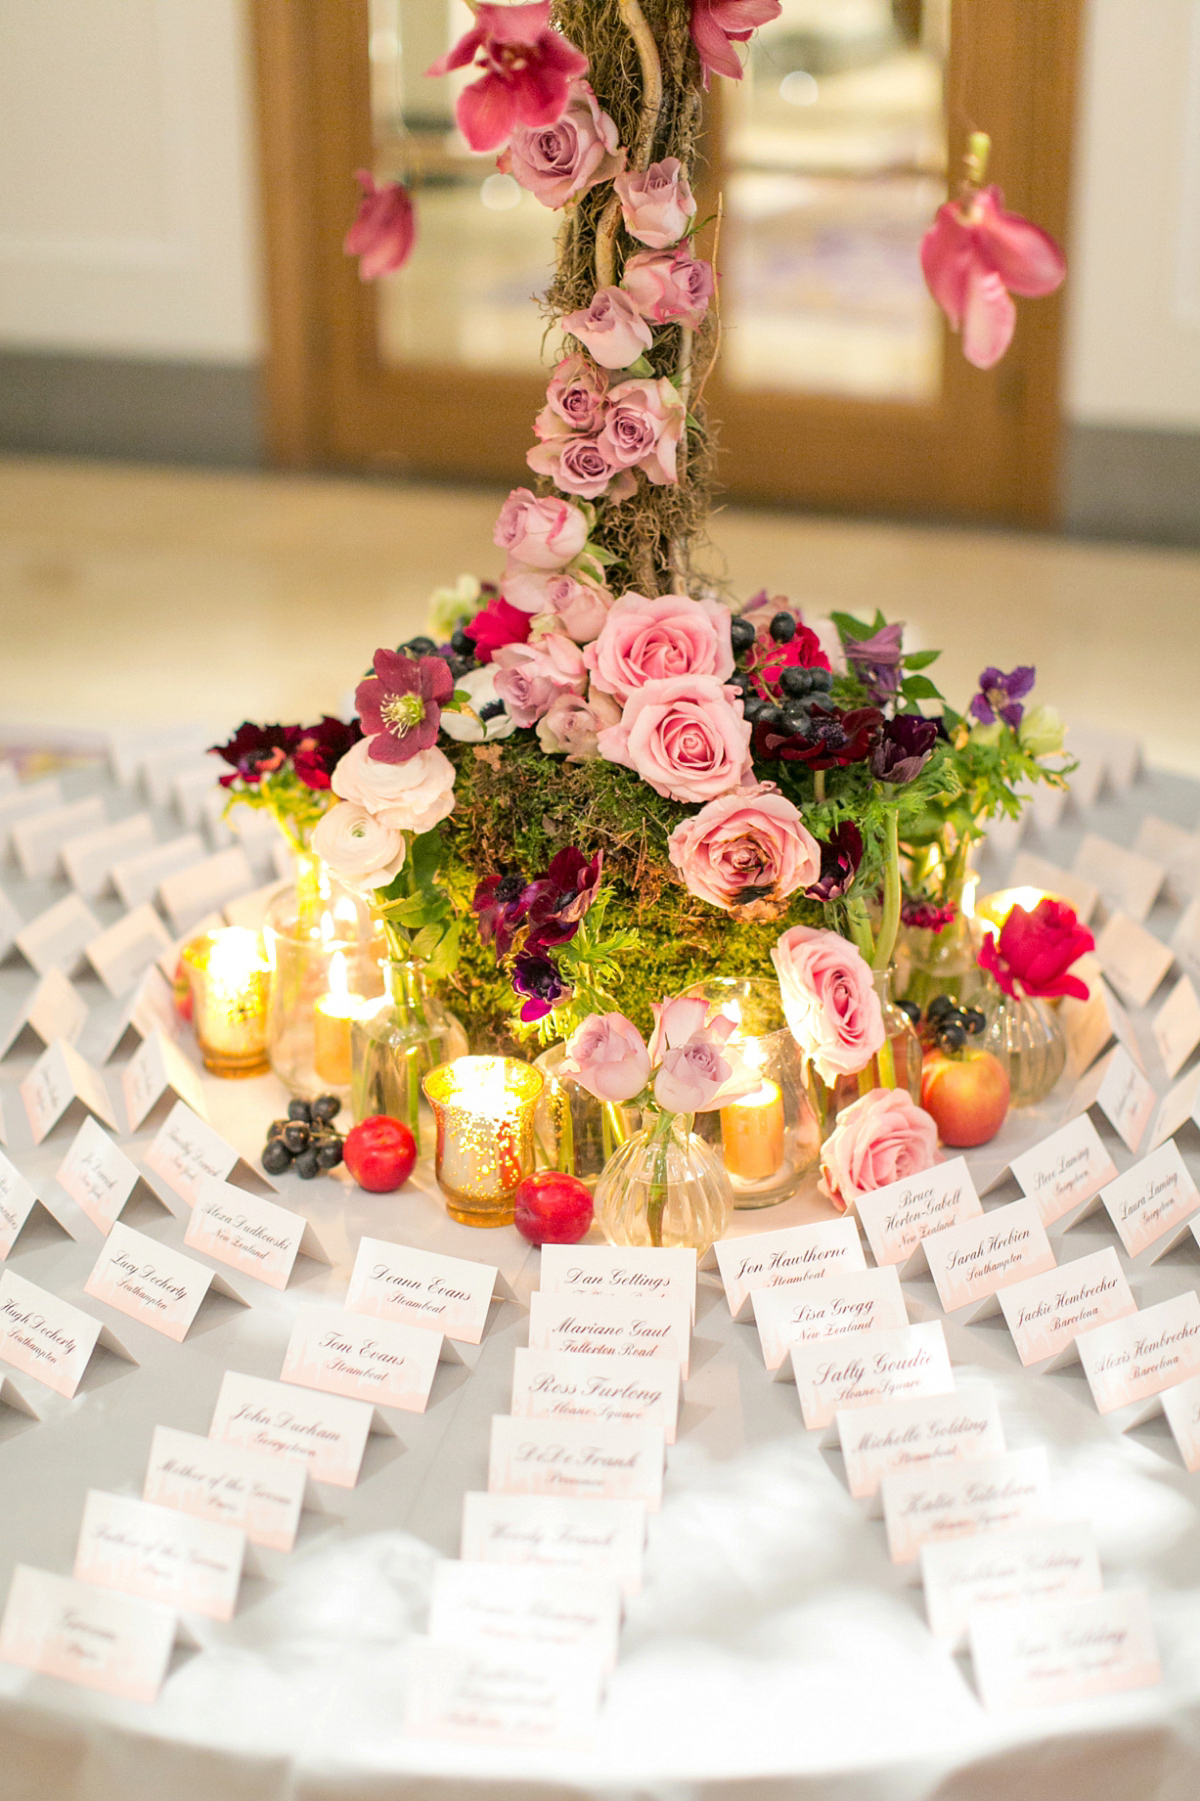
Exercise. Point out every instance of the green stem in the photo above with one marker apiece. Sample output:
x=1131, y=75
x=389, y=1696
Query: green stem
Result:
x=656, y=1200
x=890, y=923
x=819, y=786
x=860, y=928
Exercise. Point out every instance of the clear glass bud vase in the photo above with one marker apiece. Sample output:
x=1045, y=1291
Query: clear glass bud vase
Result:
x=665, y=1186
x=397, y=1042
x=897, y=1064
x=324, y=950
x=574, y=1132
x=1028, y=1039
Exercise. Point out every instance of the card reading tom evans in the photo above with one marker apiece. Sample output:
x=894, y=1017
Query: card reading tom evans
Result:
x=152, y=1282
x=1065, y=1171
x=376, y=1360
x=959, y=1500
x=232, y=1487
x=919, y=1434
x=897, y=1219
x=1151, y=1204
x=423, y=1288
x=864, y=1372
x=45, y=1337
x=158, y=1554
x=641, y=1271
x=970, y=1262
x=89, y=1636
x=519, y=1604
x=1055, y=1651
x=612, y=1325
x=838, y=1306
x=574, y=1386
x=777, y=1259
x=1054, y=1562
x=1129, y=1362
x=587, y=1459
x=605, y=1536
x=325, y=1433
x=1048, y=1312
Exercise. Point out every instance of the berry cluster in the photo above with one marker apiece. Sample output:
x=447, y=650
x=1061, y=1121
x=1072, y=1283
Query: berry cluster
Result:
x=305, y=1142
x=947, y=1024
x=800, y=689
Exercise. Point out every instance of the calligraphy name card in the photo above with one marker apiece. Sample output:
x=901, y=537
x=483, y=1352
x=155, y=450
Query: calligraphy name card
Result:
x=779, y=1259
x=1129, y=1362
x=1047, y=1313
x=1092, y=1024
x=882, y=1366
x=1031, y=1564
x=45, y=1337
x=152, y=1282
x=640, y=1271
x=898, y=1218
x=585, y=1459
x=577, y=1386
x=959, y=1500
x=1151, y=1204
x=1122, y=1093
x=249, y=1234
x=1133, y=959
x=1177, y=1026
x=971, y=1262
x=423, y=1288
x=520, y=1604
x=1180, y=1108
x=552, y=1532
x=158, y=1554
x=378, y=1360
x=263, y=1496
x=17, y=1200
x=326, y=1433
x=612, y=1326
x=1185, y=939
x=838, y=1306
x=157, y=1068
x=502, y=1695
x=88, y=1636
x=186, y=1152
x=1057, y=1651
x=59, y=1079
x=906, y=1435
x=97, y=1175
x=1065, y=1172
x=1181, y=1405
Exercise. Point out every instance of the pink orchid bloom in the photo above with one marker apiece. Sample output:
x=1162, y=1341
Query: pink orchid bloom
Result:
x=975, y=257
x=718, y=24
x=527, y=68
x=385, y=228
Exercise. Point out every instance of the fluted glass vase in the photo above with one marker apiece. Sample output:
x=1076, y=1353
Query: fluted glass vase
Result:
x=665, y=1186
x=397, y=1042
x=1027, y=1037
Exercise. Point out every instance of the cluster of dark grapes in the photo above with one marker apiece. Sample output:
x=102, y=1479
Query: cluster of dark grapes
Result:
x=802, y=689
x=306, y=1141
x=460, y=662
x=946, y=1023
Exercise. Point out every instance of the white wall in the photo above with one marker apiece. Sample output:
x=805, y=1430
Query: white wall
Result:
x=127, y=218
x=1134, y=280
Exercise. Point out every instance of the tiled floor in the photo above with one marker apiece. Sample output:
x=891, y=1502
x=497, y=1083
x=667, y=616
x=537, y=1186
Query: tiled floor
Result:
x=161, y=594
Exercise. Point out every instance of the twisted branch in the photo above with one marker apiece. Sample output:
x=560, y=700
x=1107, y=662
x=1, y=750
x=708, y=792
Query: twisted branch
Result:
x=634, y=20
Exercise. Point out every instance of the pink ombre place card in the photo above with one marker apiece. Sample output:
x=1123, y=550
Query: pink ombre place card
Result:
x=325, y=1433
x=1152, y=1203
x=972, y=1261
x=1130, y=1362
x=151, y=1282
x=376, y=1360
x=1046, y=1313
x=918, y=1434
x=158, y=1554
x=640, y=1272
x=45, y=1337
x=17, y=1200
x=1065, y=1172
x=58, y=1080
x=1117, y=1086
x=520, y=1604
x=423, y=1288
x=864, y=1372
x=896, y=1219
x=186, y=1150
x=1133, y=959
x=97, y=1175
x=574, y=1386
x=553, y=1533
x=229, y=1486
x=1030, y=1564
x=780, y=1259
x=1053, y=1652
x=612, y=1325
x=838, y=1306
x=589, y=1460
x=502, y=1695
x=159, y=1067
x=922, y=1507
x=249, y=1234
x=88, y=1636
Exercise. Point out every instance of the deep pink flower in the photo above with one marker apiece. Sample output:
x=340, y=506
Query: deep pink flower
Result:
x=495, y=626
x=718, y=24
x=401, y=703
x=321, y=748
x=384, y=229
x=975, y=256
x=1034, y=951
x=256, y=751
x=527, y=68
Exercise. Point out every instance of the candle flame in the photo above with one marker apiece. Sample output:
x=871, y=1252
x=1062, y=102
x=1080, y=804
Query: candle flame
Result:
x=338, y=985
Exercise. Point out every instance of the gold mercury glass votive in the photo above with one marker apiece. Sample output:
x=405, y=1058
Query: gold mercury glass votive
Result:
x=229, y=978
x=484, y=1110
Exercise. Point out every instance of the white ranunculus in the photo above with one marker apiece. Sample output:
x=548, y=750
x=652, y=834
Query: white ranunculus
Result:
x=409, y=797
x=480, y=684
x=1041, y=732
x=360, y=849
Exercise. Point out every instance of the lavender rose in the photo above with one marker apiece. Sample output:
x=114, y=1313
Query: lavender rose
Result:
x=556, y=161
x=669, y=284
x=686, y=737
x=608, y=1057
x=884, y=1137
x=643, y=425
x=651, y=640
x=576, y=395
x=748, y=850
x=658, y=204
x=576, y=463
x=611, y=328
x=570, y=725
x=531, y=676
x=829, y=1000
x=559, y=602
x=540, y=534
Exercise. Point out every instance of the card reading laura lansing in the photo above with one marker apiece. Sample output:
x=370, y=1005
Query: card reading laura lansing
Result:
x=781, y=1259
x=556, y=1533
x=424, y=1288
x=1153, y=1204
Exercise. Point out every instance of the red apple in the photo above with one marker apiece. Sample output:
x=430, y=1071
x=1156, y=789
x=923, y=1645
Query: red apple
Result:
x=552, y=1208
x=967, y=1095
x=181, y=992
x=380, y=1153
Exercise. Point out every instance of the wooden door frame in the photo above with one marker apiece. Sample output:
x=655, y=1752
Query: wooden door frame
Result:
x=993, y=438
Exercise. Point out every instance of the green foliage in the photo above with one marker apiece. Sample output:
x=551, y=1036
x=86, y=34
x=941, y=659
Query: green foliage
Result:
x=295, y=806
x=417, y=912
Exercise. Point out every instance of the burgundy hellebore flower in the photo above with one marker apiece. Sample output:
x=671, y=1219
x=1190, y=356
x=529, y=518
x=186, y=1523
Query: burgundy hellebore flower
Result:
x=497, y=624
x=1000, y=696
x=876, y=660
x=924, y=916
x=833, y=739
x=321, y=748
x=903, y=748
x=499, y=901
x=537, y=977
x=256, y=751
x=840, y=858
x=557, y=901
x=401, y=703
x=527, y=72
x=1037, y=949
x=719, y=24
x=975, y=256
x=385, y=228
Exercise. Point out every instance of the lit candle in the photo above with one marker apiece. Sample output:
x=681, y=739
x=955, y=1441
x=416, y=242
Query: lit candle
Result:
x=752, y=1134
x=484, y=1112
x=229, y=976
x=333, y=1016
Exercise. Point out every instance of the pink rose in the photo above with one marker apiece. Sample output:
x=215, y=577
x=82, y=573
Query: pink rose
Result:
x=611, y=328
x=754, y=839
x=651, y=640
x=829, y=1000
x=686, y=737
x=543, y=534
x=570, y=725
x=532, y=675
x=576, y=463
x=363, y=853
x=884, y=1137
x=643, y=425
x=669, y=284
x=576, y=394
x=608, y=1057
x=562, y=602
x=556, y=161
x=657, y=205
x=409, y=797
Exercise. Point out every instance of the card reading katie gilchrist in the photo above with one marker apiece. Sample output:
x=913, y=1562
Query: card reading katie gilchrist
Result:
x=519, y=1604
x=919, y=1434
x=227, y=1485
x=838, y=1306
x=958, y=1500
x=608, y=1537
x=1063, y=1175
x=158, y=1554
x=249, y=1234
x=971, y=1262
x=1051, y=1652
x=865, y=1372
x=898, y=1218
x=569, y=1385
x=376, y=1360
x=502, y=1695
x=784, y=1258
x=1152, y=1203
x=582, y=1459
x=88, y=1636
x=612, y=1325
x=1129, y=1363
x=185, y=1151
x=1055, y=1562
x=325, y=1433
x=47, y=1338
x=641, y=1271
x=152, y=1282
x=424, y=1288
x=1047, y=1313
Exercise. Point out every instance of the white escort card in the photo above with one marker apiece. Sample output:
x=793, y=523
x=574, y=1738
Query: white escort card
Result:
x=89, y=857
x=10, y=925
x=960, y=1500
x=122, y=955
x=157, y=1069
x=424, y=1288
x=1152, y=1203
x=641, y=1271
x=55, y=1009
x=252, y=1235
x=97, y=1175
x=1128, y=883
x=47, y=1338
x=1185, y=939
x=930, y=1430
x=148, y=1009
x=1130, y=1362
x=88, y=1636
x=159, y=1554
x=23, y=802
x=376, y=1360
x=972, y=1261
x=1177, y=1026
x=1035, y=872
x=57, y=938
x=613, y=1325
x=229, y=1486
x=1177, y=849
x=58, y=1086
x=186, y=1151
x=17, y=1201
x=607, y=1537
x=130, y=748
x=585, y=1460
x=520, y=1604
x=205, y=887
x=136, y=878
x=1055, y=1562
x=838, y=1306
x=576, y=1386
x=326, y=1433
x=1180, y=1110
x=1063, y=1175
x=1133, y=959
x=883, y=1366
x=1052, y=1652
x=1121, y=1092
x=1181, y=1405
x=501, y=1696
x=896, y=1219
x=776, y=1259
x=1091, y=1025
x=38, y=841
x=1047, y=1313
x=152, y=1282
